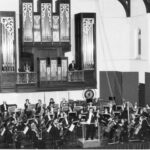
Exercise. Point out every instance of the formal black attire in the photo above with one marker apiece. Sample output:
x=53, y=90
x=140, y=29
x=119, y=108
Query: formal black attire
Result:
x=90, y=128
x=4, y=107
x=72, y=67
x=38, y=108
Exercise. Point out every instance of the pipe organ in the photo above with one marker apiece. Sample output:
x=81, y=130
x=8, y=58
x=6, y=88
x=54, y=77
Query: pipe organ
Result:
x=85, y=40
x=44, y=39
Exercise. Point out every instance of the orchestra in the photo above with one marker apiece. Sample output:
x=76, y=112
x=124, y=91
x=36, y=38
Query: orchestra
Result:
x=57, y=123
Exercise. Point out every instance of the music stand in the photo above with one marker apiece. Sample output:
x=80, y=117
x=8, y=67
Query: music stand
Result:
x=11, y=109
x=31, y=106
x=72, y=115
x=89, y=101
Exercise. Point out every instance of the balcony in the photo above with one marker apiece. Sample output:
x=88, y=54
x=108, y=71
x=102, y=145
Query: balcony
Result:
x=76, y=76
x=26, y=78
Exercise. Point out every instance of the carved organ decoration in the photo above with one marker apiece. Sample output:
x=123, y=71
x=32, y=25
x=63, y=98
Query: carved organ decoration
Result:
x=7, y=33
x=53, y=69
x=88, y=43
x=85, y=40
x=64, y=64
x=44, y=25
x=64, y=22
x=55, y=28
x=43, y=70
x=37, y=28
x=46, y=18
x=27, y=22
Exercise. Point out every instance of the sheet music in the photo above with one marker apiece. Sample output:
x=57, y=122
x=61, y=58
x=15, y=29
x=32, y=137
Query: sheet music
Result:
x=71, y=127
x=49, y=128
x=2, y=133
x=26, y=130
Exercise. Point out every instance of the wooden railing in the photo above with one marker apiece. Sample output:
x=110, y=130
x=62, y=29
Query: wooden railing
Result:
x=76, y=76
x=26, y=78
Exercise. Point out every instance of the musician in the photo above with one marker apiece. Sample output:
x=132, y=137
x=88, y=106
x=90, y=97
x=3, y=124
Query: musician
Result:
x=147, y=106
x=145, y=113
x=34, y=134
x=51, y=102
x=8, y=135
x=65, y=121
x=38, y=107
x=55, y=133
x=4, y=107
x=90, y=128
x=63, y=103
x=90, y=104
x=124, y=130
x=50, y=107
x=124, y=114
x=26, y=106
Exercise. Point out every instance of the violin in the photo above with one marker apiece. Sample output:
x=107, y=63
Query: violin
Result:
x=110, y=125
x=139, y=126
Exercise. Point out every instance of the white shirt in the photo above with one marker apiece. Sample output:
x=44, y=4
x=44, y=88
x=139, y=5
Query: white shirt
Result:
x=89, y=119
x=5, y=107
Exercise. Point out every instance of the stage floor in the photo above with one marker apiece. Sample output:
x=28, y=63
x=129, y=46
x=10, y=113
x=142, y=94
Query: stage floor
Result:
x=76, y=145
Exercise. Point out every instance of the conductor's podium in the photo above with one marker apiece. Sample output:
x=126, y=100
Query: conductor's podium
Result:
x=89, y=143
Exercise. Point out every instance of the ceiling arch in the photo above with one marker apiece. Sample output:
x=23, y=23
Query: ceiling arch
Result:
x=147, y=5
x=126, y=6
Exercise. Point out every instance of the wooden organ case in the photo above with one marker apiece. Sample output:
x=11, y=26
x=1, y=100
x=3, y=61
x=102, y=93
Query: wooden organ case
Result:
x=44, y=38
x=7, y=51
x=85, y=46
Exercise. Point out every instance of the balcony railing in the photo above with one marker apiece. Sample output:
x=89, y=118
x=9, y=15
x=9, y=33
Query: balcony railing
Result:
x=76, y=76
x=26, y=78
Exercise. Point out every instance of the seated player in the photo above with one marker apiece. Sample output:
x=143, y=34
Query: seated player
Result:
x=39, y=107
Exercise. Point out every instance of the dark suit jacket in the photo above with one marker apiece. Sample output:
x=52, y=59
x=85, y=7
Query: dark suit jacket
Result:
x=37, y=108
x=92, y=119
x=71, y=68
x=3, y=108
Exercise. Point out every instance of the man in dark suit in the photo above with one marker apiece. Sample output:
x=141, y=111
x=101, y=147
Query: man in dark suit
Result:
x=72, y=66
x=38, y=107
x=90, y=127
x=4, y=107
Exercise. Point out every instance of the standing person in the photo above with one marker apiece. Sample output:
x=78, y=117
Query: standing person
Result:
x=38, y=107
x=4, y=109
x=26, y=108
x=26, y=105
x=72, y=66
x=90, y=131
x=50, y=107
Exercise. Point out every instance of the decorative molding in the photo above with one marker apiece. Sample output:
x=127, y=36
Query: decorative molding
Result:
x=147, y=5
x=126, y=6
